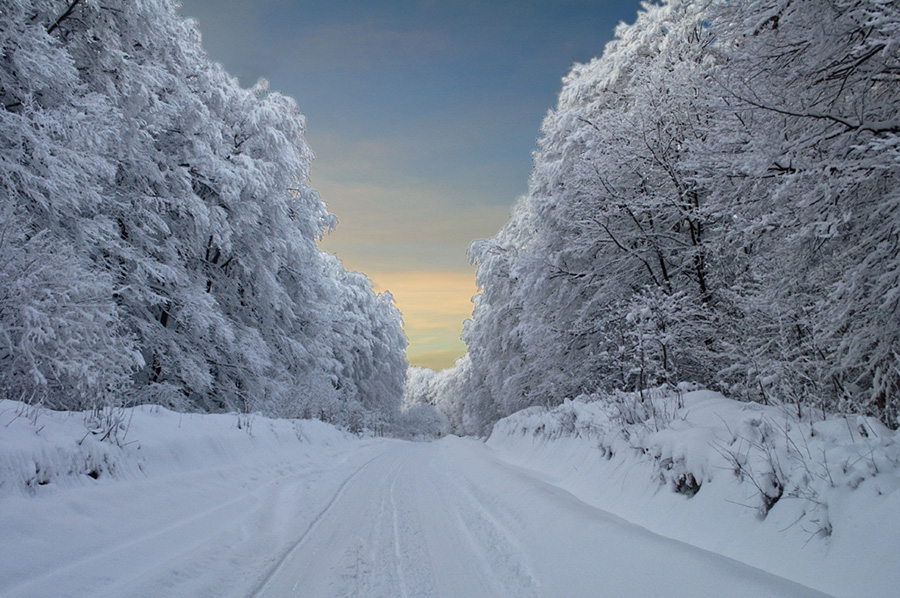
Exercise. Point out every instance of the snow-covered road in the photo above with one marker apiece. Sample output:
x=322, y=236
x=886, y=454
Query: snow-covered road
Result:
x=368, y=518
x=447, y=519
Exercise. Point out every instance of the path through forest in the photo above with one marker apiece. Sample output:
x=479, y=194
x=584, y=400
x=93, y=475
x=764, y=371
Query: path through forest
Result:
x=387, y=518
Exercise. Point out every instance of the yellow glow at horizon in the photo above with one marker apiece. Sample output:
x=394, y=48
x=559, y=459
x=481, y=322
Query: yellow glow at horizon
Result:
x=409, y=235
x=432, y=302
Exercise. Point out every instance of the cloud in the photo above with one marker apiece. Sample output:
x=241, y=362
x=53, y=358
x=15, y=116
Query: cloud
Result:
x=410, y=227
x=390, y=214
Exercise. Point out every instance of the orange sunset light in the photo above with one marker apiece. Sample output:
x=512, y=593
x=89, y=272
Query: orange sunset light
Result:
x=434, y=305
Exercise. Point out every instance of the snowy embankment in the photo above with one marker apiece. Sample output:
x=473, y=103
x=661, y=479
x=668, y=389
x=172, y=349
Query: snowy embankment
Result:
x=43, y=448
x=181, y=504
x=817, y=502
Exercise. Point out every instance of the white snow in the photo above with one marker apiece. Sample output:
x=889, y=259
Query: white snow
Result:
x=227, y=505
x=836, y=526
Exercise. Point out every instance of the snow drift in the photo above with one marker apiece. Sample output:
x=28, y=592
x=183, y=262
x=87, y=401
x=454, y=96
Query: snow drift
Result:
x=43, y=450
x=815, y=501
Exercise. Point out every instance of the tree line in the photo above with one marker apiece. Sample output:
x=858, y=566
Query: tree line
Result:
x=714, y=199
x=158, y=232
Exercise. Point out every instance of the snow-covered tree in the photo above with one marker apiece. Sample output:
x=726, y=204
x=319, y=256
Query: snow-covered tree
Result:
x=612, y=210
x=815, y=86
x=714, y=200
x=61, y=339
x=167, y=216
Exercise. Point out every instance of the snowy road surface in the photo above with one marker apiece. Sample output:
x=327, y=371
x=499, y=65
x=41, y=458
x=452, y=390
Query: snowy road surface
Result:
x=377, y=518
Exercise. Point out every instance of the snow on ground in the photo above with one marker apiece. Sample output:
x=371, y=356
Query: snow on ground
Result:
x=817, y=502
x=448, y=519
x=188, y=505
x=40, y=447
x=227, y=505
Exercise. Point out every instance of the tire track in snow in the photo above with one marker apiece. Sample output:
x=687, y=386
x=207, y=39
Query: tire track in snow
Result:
x=195, y=525
x=503, y=560
x=398, y=564
x=304, y=537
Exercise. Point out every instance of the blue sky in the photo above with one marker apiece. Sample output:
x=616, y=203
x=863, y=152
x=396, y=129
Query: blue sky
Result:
x=422, y=115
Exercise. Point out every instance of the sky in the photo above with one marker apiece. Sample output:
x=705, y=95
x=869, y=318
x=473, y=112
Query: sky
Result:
x=423, y=116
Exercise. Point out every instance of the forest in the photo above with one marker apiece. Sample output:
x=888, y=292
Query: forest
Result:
x=158, y=233
x=714, y=200
x=682, y=374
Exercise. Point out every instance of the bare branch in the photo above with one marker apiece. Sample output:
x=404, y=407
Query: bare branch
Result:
x=63, y=16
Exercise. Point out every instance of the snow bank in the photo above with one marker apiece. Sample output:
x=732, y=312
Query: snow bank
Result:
x=41, y=450
x=149, y=502
x=813, y=501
